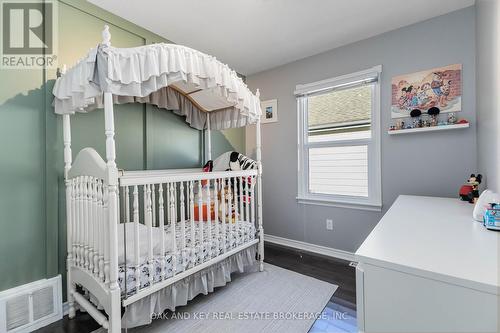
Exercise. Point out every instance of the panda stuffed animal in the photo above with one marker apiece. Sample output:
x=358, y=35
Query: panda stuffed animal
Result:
x=234, y=163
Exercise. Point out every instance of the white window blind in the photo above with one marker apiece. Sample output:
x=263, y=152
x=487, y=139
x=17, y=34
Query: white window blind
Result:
x=339, y=152
x=339, y=170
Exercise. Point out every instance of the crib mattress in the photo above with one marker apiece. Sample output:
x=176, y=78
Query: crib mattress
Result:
x=236, y=235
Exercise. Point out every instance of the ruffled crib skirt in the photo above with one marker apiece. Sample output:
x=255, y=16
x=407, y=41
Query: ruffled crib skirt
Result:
x=203, y=282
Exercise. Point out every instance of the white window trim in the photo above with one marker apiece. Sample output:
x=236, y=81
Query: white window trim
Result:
x=374, y=200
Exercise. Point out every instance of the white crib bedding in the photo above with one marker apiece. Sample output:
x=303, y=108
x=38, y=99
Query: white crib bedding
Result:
x=236, y=234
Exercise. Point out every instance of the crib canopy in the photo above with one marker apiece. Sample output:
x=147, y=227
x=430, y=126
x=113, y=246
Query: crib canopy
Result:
x=173, y=77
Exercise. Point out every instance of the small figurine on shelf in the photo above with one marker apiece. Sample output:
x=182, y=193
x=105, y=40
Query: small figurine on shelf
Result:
x=434, y=121
x=470, y=190
x=452, y=119
x=400, y=124
x=415, y=115
x=433, y=112
x=392, y=128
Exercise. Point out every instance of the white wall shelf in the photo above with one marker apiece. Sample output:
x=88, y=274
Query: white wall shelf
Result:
x=428, y=129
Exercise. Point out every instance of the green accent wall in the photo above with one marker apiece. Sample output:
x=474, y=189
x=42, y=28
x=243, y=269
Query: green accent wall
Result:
x=32, y=199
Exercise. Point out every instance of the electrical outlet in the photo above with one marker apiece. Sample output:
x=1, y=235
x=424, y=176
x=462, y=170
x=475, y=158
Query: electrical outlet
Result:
x=329, y=224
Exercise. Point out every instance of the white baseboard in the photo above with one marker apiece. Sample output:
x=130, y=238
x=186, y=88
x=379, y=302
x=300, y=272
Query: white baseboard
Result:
x=323, y=250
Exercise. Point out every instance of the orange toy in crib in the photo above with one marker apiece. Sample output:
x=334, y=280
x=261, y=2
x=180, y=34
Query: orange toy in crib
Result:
x=204, y=212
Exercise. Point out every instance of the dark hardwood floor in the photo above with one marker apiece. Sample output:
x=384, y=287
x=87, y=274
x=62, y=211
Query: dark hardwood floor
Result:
x=324, y=268
x=82, y=323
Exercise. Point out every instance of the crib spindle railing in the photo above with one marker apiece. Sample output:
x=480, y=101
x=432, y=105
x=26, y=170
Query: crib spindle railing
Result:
x=135, y=206
x=153, y=204
x=87, y=230
x=200, y=217
x=149, y=224
x=86, y=221
x=126, y=207
x=215, y=209
x=247, y=204
x=75, y=213
x=209, y=220
x=236, y=211
x=191, y=221
x=161, y=223
x=92, y=214
x=127, y=204
x=172, y=226
x=224, y=204
x=93, y=241
x=106, y=234
x=183, y=219
x=100, y=221
x=80, y=222
x=76, y=221
x=216, y=216
x=229, y=199
x=223, y=215
x=252, y=202
x=90, y=199
x=71, y=220
x=242, y=212
x=97, y=227
x=90, y=229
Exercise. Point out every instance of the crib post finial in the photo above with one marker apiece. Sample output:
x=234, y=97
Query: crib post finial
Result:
x=106, y=36
x=257, y=93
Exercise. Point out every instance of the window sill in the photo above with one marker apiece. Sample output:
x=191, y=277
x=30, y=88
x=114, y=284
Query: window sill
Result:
x=341, y=204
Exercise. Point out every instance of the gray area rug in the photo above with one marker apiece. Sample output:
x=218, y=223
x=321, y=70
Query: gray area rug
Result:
x=276, y=300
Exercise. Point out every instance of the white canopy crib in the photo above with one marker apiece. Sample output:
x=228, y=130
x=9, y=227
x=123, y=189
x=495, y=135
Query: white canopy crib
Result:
x=152, y=240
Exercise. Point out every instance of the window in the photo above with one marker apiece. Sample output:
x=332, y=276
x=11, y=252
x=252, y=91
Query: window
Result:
x=339, y=141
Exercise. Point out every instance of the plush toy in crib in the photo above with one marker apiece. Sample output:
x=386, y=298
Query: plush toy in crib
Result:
x=204, y=212
x=229, y=161
x=208, y=167
x=233, y=161
x=226, y=204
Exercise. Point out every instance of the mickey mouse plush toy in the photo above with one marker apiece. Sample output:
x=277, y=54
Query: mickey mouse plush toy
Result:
x=470, y=190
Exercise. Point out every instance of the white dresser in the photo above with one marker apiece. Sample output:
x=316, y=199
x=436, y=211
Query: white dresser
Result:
x=428, y=267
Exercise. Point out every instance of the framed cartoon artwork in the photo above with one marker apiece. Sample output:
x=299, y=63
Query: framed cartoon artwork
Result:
x=269, y=111
x=440, y=87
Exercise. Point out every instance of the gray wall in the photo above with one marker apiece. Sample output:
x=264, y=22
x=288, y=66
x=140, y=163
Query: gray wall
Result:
x=488, y=97
x=432, y=164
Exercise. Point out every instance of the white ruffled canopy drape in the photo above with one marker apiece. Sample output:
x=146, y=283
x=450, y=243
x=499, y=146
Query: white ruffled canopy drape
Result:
x=172, y=77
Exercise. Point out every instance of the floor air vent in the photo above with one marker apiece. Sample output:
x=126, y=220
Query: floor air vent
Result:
x=31, y=306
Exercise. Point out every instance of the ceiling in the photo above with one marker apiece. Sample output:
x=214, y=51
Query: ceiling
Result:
x=255, y=35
